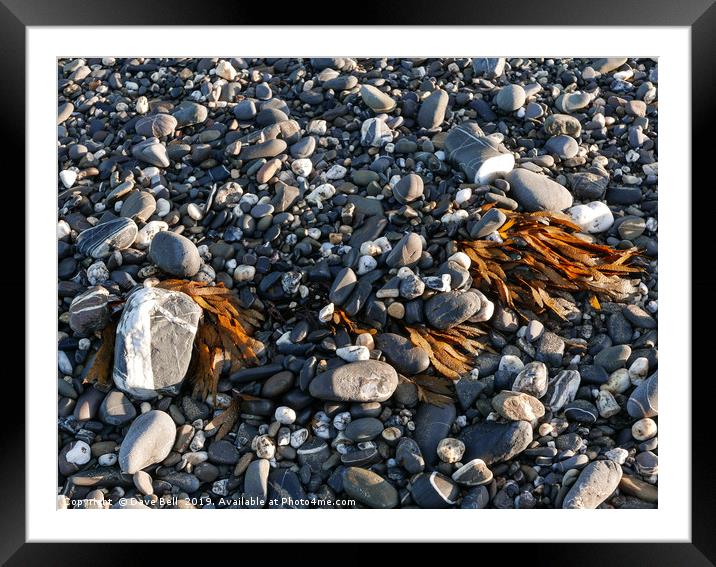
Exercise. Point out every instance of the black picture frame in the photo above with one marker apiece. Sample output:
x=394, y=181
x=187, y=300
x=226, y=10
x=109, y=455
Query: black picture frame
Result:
x=698, y=15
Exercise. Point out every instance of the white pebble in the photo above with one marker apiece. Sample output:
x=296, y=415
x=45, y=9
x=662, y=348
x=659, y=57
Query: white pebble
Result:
x=107, y=460
x=644, y=429
x=63, y=229
x=618, y=455
x=97, y=273
x=341, y=420
x=302, y=167
x=326, y=314
x=68, y=177
x=163, y=207
x=79, y=454
x=593, y=217
x=353, y=353
x=244, y=273
x=461, y=259
x=285, y=415
x=366, y=264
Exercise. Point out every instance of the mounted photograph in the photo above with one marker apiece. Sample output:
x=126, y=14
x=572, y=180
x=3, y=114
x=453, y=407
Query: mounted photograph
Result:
x=357, y=282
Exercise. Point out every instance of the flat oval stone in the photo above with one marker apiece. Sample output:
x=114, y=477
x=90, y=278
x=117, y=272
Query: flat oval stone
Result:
x=364, y=429
x=495, y=442
x=116, y=409
x=369, y=488
x=342, y=286
x=101, y=240
x=406, y=252
x=432, y=110
x=158, y=125
x=562, y=124
x=434, y=490
x=189, y=113
x=408, y=189
x=402, y=354
x=473, y=473
x=378, y=101
x=536, y=192
x=445, y=310
x=89, y=311
x=175, y=254
x=517, y=406
x=139, y=206
x=597, y=481
x=510, y=97
x=268, y=149
x=644, y=400
x=363, y=381
x=148, y=441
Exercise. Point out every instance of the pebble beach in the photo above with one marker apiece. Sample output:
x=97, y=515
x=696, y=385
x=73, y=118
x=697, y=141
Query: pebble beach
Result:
x=357, y=283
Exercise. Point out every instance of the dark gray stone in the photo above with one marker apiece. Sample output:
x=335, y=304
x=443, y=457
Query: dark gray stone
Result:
x=432, y=425
x=402, y=354
x=445, y=310
x=175, y=254
x=495, y=442
x=363, y=381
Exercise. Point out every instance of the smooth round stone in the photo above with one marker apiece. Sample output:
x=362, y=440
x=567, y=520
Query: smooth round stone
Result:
x=635, y=108
x=608, y=64
x=277, y=384
x=517, y=406
x=223, y=452
x=157, y=126
x=434, y=490
x=89, y=311
x=378, y=101
x=341, y=83
x=175, y=254
x=262, y=210
x=88, y=404
x=268, y=170
x=369, y=488
x=402, y=354
x=152, y=152
x=581, y=411
x=445, y=310
x=408, y=189
x=432, y=110
x=101, y=240
x=364, y=381
x=409, y=456
x=571, y=102
x=476, y=499
x=116, y=409
x=353, y=353
x=269, y=116
x=562, y=125
x=647, y=463
x=597, y=481
x=432, y=425
x=450, y=450
x=364, y=429
x=189, y=113
x=364, y=177
x=245, y=110
x=491, y=221
x=563, y=146
x=495, y=442
x=406, y=252
x=592, y=218
x=644, y=400
x=139, y=206
x=510, y=98
x=73, y=456
x=638, y=317
x=532, y=380
x=64, y=111
x=633, y=486
x=612, y=358
x=473, y=473
x=631, y=228
x=302, y=167
x=285, y=415
x=536, y=192
x=304, y=148
x=342, y=286
x=644, y=429
x=148, y=441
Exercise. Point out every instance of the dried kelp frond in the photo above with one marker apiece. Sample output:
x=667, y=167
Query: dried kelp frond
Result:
x=341, y=319
x=541, y=253
x=100, y=372
x=432, y=389
x=452, y=352
x=225, y=421
x=224, y=333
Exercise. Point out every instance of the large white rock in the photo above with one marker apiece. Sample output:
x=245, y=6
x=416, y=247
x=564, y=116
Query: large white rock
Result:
x=593, y=217
x=154, y=342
